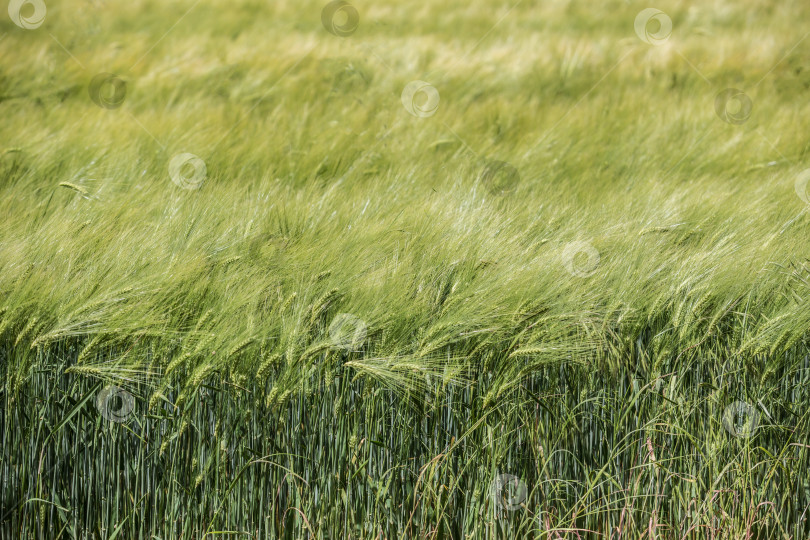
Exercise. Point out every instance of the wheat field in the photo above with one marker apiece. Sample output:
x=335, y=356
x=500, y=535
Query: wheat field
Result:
x=462, y=270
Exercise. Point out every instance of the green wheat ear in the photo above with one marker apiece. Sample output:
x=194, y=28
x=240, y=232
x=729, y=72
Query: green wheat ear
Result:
x=288, y=302
x=26, y=329
x=239, y=347
x=273, y=360
x=74, y=187
x=201, y=322
x=230, y=260
x=177, y=364
x=89, y=348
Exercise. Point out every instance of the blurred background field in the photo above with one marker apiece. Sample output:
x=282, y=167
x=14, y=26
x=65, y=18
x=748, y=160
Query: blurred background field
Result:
x=249, y=284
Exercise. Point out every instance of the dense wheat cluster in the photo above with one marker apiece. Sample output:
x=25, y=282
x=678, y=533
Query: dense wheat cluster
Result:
x=404, y=270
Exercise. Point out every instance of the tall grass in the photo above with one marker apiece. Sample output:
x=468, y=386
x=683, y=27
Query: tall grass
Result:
x=572, y=302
